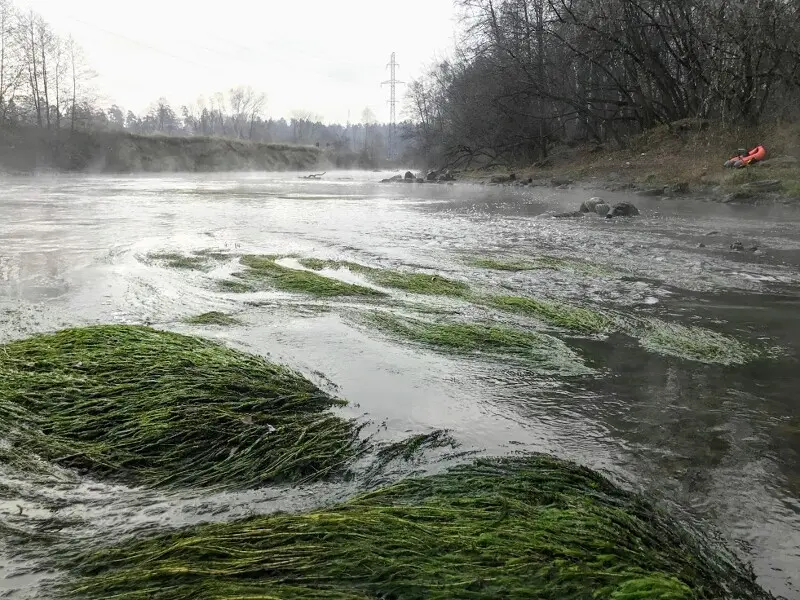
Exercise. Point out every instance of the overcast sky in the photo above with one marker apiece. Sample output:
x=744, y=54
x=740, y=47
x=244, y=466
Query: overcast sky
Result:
x=322, y=56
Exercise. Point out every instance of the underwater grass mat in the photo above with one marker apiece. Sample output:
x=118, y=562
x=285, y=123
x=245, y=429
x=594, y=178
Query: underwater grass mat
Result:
x=212, y=318
x=540, y=262
x=417, y=283
x=148, y=407
x=544, y=353
x=688, y=342
x=519, y=527
x=263, y=271
x=559, y=314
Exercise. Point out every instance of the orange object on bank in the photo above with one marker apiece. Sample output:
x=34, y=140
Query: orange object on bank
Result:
x=742, y=160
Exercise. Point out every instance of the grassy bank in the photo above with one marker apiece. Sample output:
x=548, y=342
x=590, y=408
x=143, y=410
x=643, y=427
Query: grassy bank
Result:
x=526, y=527
x=679, y=158
x=32, y=149
x=147, y=407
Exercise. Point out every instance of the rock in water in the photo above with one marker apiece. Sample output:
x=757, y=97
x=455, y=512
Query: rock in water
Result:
x=409, y=175
x=588, y=205
x=602, y=209
x=432, y=175
x=623, y=209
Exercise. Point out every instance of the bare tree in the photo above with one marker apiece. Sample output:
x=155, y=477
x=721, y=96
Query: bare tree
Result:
x=11, y=63
x=246, y=105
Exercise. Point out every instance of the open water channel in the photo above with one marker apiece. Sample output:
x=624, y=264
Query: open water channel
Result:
x=719, y=443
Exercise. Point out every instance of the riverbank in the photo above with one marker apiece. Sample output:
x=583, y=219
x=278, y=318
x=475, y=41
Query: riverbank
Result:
x=683, y=158
x=25, y=150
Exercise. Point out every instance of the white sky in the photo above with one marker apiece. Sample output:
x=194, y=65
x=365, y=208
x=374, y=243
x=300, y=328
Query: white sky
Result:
x=322, y=56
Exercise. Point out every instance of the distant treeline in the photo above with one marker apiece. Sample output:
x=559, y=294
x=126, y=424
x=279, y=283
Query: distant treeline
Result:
x=46, y=85
x=533, y=73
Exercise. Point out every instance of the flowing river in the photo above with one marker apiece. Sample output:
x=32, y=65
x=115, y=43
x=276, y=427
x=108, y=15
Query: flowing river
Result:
x=720, y=444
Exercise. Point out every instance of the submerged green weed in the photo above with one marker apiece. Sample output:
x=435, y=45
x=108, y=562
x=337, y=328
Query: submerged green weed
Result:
x=411, y=447
x=212, y=318
x=213, y=254
x=692, y=343
x=533, y=263
x=154, y=408
x=545, y=353
x=523, y=527
x=235, y=286
x=559, y=314
x=263, y=270
x=496, y=264
x=655, y=335
x=417, y=283
x=180, y=261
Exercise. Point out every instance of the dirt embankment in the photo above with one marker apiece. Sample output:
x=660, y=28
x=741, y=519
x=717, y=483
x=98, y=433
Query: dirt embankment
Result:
x=31, y=150
x=682, y=158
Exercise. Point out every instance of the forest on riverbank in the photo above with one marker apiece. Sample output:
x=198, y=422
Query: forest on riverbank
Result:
x=533, y=75
x=554, y=87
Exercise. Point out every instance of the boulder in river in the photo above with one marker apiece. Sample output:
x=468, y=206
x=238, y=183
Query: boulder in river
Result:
x=588, y=205
x=432, y=175
x=409, y=175
x=602, y=209
x=568, y=215
x=623, y=209
x=392, y=179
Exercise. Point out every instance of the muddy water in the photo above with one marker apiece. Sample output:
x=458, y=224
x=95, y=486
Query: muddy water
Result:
x=720, y=444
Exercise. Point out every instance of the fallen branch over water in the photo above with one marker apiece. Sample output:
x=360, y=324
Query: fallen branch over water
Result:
x=529, y=527
x=148, y=407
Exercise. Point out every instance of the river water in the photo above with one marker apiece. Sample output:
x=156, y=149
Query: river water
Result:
x=721, y=444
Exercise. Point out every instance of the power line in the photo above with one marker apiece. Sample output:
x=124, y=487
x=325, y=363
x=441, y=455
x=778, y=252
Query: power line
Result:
x=392, y=81
x=140, y=43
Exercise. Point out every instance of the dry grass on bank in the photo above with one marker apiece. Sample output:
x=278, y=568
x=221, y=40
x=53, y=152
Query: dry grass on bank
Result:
x=685, y=155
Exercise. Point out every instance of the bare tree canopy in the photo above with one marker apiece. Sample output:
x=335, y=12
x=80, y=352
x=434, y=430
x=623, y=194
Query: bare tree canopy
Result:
x=531, y=73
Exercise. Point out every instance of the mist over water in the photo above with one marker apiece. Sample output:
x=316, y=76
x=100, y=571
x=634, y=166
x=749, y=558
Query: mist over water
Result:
x=720, y=444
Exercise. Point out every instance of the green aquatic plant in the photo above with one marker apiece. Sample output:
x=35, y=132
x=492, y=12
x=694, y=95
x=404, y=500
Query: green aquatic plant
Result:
x=559, y=314
x=691, y=343
x=545, y=353
x=497, y=264
x=154, y=408
x=212, y=318
x=412, y=446
x=235, y=286
x=263, y=270
x=176, y=260
x=533, y=263
x=416, y=283
x=214, y=254
x=521, y=527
